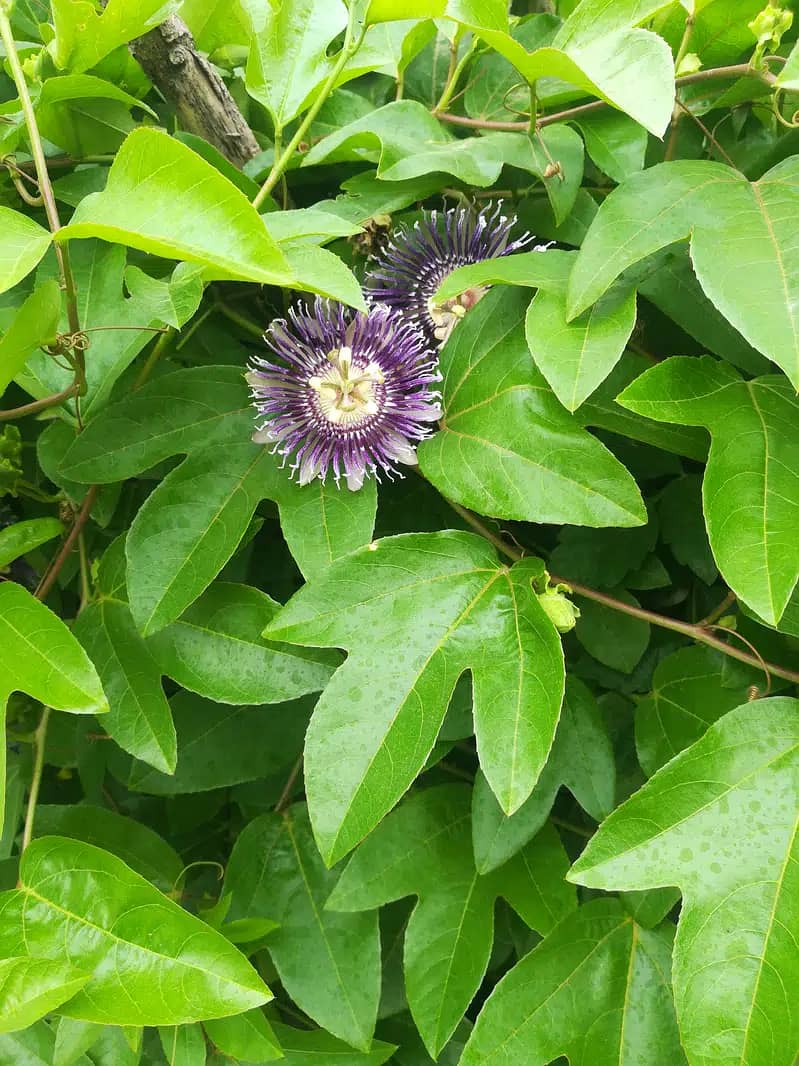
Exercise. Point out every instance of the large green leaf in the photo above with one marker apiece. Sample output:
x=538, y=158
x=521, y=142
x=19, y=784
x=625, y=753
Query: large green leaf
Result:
x=23, y=242
x=216, y=649
x=163, y=198
x=31, y=988
x=424, y=849
x=743, y=245
x=167, y=967
x=631, y=69
x=581, y=760
x=136, y=844
x=689, y=693
x=101, y=279
x=720, y=822
x=415, y=612
x=328, y=963
x=506, y=447
x=596, y=990
x=35, y=324
x=84, y=35
x=751, y=484
x=39, y=656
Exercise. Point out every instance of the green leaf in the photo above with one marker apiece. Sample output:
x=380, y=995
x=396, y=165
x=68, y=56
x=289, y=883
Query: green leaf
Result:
x=22, y=537
x=321, y=522
x=23, y=242
x=246, y=1036
x=168, y=966
x=136, y=844
x=35, y=324
x=83, y=36
x=615, y=143
x=630, y=69
x=216, y=650
x=616, y=639
x=599, y=981
x=729, y=220
x=506, y=447
x=575, y=357
x=220, y=746
x=32, y=1047
x=184, y=1045
x=328, y=963
x=172, y=415
x=31, y=988
x=72, y=1039
x=318, y=1048
x=445, y=601
x=39, y=656
x=139, y=719
x=163, y=198
x=688, y=695
x=85, y=115
x=751, y=485
x=548, y=270
x=683, y=526
x=719, y=821
x=581, y=760
x=101, y=279
x=424, y=849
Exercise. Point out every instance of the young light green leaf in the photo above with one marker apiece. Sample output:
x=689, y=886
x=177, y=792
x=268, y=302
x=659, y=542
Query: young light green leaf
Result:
x=751, y=484
x=136, y=844
x=219, y=746
x=328, y=963
x=139, y=719
x=720, y=822
x=35, y=324
x=506, y=447
x=245, y=1037
x=688, y=695
x=23, y=242
x=549, y=272
x=83, y=36
x=216, y=649
x=183, y=1045
x=31, y=988
x=598, y=982
x=424, y=849
x=163, y=198
x=22, y=537
x=581, y=760
x=730, y=221
x=575, y=357
x=415, y=612
x=39, y=656
x=168, y=966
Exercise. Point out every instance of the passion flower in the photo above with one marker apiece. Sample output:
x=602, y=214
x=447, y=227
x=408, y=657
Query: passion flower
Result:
x=347, y=392
x=408, y=273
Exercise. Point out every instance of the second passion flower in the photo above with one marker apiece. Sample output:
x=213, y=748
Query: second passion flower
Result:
x=347, y=394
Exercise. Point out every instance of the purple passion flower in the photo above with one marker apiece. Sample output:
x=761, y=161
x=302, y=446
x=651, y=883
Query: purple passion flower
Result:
x=348, y=392
x=408, y=273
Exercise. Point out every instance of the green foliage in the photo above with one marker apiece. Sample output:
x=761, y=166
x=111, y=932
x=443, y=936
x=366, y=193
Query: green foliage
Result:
x=489, y=764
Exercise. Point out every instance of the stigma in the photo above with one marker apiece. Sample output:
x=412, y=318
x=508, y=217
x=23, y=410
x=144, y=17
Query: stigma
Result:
x=345, y=393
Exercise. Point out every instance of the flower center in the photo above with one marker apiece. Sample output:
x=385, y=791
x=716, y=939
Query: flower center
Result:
x=446, y=315
x=345, y=392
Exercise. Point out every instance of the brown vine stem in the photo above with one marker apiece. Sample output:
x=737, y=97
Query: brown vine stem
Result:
x=39, y=405
x=698, y=631
x=737, y=70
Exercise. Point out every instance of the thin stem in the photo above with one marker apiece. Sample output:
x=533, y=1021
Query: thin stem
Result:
x=158, y=350
x=288, y=788
x=718, y=611
x=349, y=49
x=85, y=583
x=241, y=320
x=737, y=70
x=39, y=741
x=456, y=69
x=81, y=518
x=697, y=631
x=40, y=162
x=686, y=40
x=39, y=405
